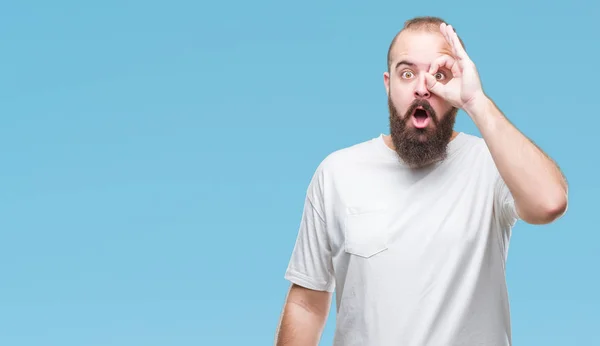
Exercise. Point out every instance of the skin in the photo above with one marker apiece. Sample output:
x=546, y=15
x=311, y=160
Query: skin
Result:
x=413, y=54
x=535, y=181
x=303, y=318
x=442, y=73
x=406, y=87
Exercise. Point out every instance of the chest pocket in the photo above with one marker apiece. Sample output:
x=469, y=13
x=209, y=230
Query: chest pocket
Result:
x=365, y=231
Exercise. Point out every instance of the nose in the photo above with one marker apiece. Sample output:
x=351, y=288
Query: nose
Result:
x=421, y=90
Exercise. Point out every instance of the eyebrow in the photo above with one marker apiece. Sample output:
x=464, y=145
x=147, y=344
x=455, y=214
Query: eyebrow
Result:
x=405, y=62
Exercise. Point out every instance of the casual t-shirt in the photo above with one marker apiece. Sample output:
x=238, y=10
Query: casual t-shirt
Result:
x=416, y=257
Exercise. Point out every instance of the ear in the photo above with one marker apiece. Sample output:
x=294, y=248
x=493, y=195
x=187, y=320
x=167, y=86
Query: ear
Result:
x=386, y=82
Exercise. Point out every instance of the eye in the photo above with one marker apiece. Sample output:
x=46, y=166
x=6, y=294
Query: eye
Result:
x=440, y=76
x=407, y=75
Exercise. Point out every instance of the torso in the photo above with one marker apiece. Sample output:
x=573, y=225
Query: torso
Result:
x=418, y=255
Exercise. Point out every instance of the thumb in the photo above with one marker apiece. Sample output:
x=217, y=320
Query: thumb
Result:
x=434, y=86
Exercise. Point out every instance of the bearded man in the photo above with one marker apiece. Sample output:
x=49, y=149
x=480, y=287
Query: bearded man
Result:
x=411, y=229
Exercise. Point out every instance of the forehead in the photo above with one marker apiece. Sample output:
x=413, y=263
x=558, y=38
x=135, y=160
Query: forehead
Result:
x=419, y=47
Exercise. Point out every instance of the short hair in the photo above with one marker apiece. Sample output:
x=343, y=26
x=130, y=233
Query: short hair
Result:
x=422, y=23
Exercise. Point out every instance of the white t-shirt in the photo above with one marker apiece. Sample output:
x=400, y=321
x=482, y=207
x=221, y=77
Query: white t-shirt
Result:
x=416, y=257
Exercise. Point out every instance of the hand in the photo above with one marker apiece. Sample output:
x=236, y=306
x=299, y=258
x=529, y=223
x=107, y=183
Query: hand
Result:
x=464, y=89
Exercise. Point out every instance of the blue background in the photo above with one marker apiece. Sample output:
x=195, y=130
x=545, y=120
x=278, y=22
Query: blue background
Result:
x=155, y=157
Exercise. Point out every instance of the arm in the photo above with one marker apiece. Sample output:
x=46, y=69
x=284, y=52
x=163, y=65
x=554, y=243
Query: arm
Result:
x=535, y=181
x=303, y=319
x=311, y=273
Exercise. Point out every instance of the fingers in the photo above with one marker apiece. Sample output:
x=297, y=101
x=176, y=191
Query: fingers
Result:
x=444, y=31
x=452, y=39
x=433, y=85
x=445, y=61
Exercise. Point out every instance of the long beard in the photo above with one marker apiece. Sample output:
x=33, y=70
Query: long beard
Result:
x=421, y=147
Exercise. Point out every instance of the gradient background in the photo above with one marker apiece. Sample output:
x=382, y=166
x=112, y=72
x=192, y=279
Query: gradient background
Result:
x=155, y=157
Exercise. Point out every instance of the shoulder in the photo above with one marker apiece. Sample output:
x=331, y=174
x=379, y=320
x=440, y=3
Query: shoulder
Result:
x=342, y=161
x=473, y=147
x=472, y=142
x=474, y=156
x=345, y=157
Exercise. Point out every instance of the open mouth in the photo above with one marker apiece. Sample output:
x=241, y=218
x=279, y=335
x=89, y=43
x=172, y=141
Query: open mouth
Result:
x=420, y=118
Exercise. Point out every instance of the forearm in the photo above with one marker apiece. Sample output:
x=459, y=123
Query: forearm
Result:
x=300, y=326
x=535, y=181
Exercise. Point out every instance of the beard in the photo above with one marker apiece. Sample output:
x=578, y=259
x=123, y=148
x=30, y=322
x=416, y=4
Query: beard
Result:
x=421, y=147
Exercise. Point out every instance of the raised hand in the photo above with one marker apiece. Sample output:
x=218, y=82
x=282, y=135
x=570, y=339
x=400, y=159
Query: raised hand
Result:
x=464, y=88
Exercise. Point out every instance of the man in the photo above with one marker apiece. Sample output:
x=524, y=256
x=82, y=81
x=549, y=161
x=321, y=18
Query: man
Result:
x=411, y=230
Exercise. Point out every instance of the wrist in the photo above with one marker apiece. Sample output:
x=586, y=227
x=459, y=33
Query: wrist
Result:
x=478, y=106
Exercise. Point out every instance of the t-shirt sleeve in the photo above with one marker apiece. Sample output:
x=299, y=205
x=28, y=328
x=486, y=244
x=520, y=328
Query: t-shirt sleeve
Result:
x=504, y=204
x=310, y=265
x=505, y=212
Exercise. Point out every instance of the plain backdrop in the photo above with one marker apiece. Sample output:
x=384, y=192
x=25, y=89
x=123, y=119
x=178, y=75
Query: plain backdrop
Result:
x=155, y=155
